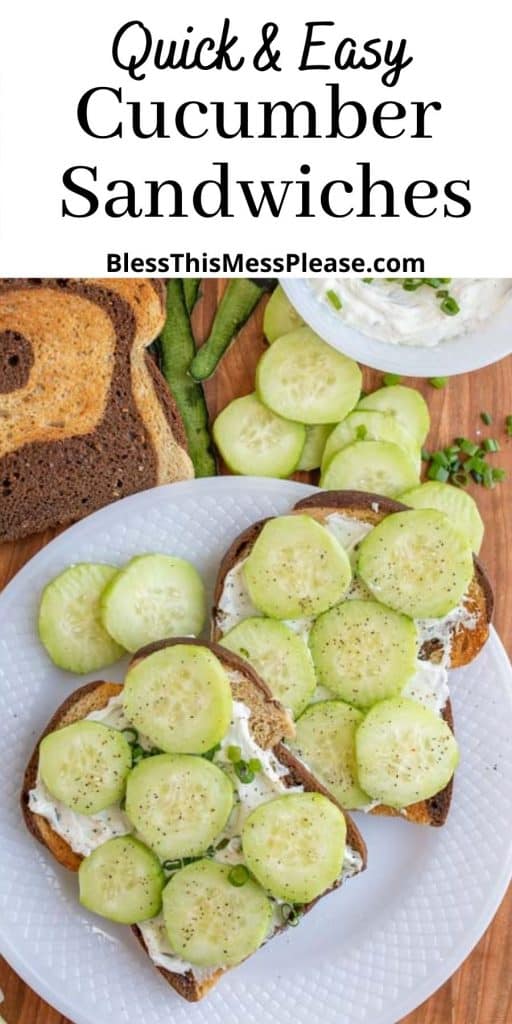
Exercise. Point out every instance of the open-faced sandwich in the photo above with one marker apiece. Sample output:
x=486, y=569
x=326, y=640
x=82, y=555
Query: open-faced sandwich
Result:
x=183, y=812
x=353, y=608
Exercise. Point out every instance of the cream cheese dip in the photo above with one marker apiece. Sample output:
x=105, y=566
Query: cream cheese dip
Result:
x=386, y=311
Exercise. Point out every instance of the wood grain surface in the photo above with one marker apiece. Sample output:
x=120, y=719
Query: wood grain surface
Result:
x=481, y=990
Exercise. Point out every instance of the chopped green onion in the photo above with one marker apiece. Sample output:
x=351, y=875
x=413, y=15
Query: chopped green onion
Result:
x=290, y=914
x=486, y=418
x=440, y=459
x=490, y=445
x=508, y=425
x=130, y=734
x=438, y=473
x=334, y=299
x=238, y=875
x=476, y=465
x=438, y=382
x=389, y=379
x=499, y=474
x=255, y=765
x=172, y=865
x=210, y=754
x=244, y=772
x=137, y=752
x=450, y=306
x=361, y=432
x=234, y=754
x=468, y=447
x=461, y=478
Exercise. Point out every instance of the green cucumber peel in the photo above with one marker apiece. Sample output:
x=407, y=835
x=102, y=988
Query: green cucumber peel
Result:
x=177, y=349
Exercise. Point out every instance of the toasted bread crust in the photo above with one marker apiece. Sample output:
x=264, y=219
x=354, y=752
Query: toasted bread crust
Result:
x=90, y=697
x=104, y=426
x=269, y=723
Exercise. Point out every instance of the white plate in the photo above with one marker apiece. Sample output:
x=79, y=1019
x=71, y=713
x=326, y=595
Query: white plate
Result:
x=488, y=344
x=369, y=953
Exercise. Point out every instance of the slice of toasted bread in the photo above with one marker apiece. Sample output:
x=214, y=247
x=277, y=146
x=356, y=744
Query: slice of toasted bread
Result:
x=85, y=415
x=269, y=724
x=465, y=643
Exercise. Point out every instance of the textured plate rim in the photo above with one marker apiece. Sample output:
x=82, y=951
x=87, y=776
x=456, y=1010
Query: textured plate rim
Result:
x=437, y=974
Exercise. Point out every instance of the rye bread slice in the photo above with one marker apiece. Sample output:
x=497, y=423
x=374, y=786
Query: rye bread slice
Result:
x=465, y=643
x=269, y=724
x=85, y=415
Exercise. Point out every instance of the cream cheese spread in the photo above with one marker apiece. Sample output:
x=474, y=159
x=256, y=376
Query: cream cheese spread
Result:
x=84, y=833
x=235, y=604
x=386, y=311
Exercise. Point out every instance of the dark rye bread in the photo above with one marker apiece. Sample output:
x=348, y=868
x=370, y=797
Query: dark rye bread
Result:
x=85, y=415
x=465, y=643
x=269, y=723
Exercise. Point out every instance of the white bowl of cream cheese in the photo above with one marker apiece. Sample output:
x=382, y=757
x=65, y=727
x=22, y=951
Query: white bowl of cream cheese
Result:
x=381, y=324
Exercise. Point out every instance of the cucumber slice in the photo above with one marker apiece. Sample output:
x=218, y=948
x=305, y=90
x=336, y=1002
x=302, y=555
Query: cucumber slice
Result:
x=325, y=740
x=302, y=378
x=407, y=404
x=416, y=562
x=70, y=626
x=405, y=753
x=316, y=438
x=153, y=597
x=180, y=698
x=370, y=426
x=280, y=657
x=85, y=765
x=376, y=466
x=253, y=440
x=178, y=803
x=122, y=881
x=280, y=316
x=363, y=652
x=296, y=568
x=294, y=845
x=458, y=505
x=209, y=921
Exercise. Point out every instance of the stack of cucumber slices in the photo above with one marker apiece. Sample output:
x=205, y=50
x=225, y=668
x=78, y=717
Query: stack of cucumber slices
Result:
x=213, y=847
x=91, y=613
x=308, y=411
x=334, y=633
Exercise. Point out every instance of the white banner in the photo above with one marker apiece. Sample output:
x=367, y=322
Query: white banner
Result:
x=214, y=138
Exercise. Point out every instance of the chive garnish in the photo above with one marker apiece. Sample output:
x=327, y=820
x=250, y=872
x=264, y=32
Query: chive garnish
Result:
x=389, y=379
x=238, y=875
x=361, y=432
x=244, y=772
x=450, y=306
x=439, y=473
x=438, y=382
x=234, y=754
x=210, y=754
x=508, y=425
x=130, y=734
x=334, y=299
x=490, y=445
x=486, y=418
x=291, y=913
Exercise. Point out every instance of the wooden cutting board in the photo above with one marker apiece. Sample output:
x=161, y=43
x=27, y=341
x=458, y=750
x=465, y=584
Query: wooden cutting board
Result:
x=481, y=990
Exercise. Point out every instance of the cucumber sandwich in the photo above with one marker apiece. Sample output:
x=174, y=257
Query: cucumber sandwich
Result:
x=353, y=608
x=184, y=813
